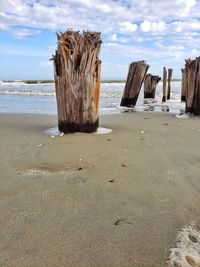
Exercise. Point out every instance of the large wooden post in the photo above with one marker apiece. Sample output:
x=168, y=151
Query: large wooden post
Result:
x=150, y=83
x=77, y=81
x=170, y=71
x=192, y=72
x=135, y=78
x=164, y=85
x=183, y=86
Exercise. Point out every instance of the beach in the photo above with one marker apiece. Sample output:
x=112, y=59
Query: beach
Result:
x=89, y=200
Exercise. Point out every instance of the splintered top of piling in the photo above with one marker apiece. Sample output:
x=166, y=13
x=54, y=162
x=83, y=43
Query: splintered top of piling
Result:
x=153, y=77
x=141, y=62
x=189, y=60
x=71, y=42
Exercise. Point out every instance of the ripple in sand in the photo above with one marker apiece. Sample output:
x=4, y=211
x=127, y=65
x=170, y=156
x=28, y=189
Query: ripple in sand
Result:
x=186, y=251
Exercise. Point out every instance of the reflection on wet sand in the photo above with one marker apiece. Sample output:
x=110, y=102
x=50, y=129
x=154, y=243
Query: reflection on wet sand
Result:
x=165, y=108
x=149, y=108
x=152, y=105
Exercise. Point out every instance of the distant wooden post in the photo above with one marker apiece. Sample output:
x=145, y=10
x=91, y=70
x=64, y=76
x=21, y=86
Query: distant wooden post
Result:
x=183, y=86
x=135, y=78
x=77, y=81
x=192, y=71
x=170, y=71
x=164, y=85
x=150, y=83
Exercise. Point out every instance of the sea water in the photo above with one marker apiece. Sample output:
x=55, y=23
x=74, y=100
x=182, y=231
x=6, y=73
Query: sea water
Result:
x=39, y=98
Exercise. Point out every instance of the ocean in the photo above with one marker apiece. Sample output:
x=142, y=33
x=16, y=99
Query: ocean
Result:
x=19, y=97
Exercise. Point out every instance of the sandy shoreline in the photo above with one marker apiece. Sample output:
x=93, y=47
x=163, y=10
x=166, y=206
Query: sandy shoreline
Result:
x=86, y=200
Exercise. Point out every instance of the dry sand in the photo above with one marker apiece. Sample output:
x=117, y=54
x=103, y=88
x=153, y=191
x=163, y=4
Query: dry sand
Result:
x=86, y=200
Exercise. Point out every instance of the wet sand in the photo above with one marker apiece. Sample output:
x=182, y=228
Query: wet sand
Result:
x=86, y=200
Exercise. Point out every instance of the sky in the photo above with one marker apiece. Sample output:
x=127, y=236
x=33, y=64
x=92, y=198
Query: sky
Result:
x=161, y=32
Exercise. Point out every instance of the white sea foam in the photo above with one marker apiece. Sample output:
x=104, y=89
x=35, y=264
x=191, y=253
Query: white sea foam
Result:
x=14, y=83
x=53, y=132
x=126, y=109
x=186, y=251
x=187, y=116
x=183, y=116
x=27, y=93
x=113, y=84
x=102, y=130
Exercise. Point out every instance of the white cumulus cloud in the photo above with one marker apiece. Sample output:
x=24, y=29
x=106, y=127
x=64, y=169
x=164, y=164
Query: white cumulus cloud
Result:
x=127, y=27
x=148, y=26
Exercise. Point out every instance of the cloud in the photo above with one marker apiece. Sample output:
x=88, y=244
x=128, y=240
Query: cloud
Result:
x=136, y=27
x=107, y=16
x=127, y=27
x=3, y=27
x=25, y=33
x=147, y=26
x=114, y=37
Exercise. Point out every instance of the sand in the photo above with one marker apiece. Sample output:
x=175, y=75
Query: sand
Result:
x=88, y=200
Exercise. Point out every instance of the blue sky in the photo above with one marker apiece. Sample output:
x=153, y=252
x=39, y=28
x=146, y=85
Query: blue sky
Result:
x=162, y=32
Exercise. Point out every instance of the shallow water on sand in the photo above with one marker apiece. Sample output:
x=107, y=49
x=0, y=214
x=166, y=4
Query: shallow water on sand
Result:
x=18, y=97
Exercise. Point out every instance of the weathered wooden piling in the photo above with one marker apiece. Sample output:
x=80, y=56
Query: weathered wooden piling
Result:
x=169, y=77
x=183, y=86
x=135, y=78
x=192, y=74
x=150, y=83
x=164, y=85
x=77, y=80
